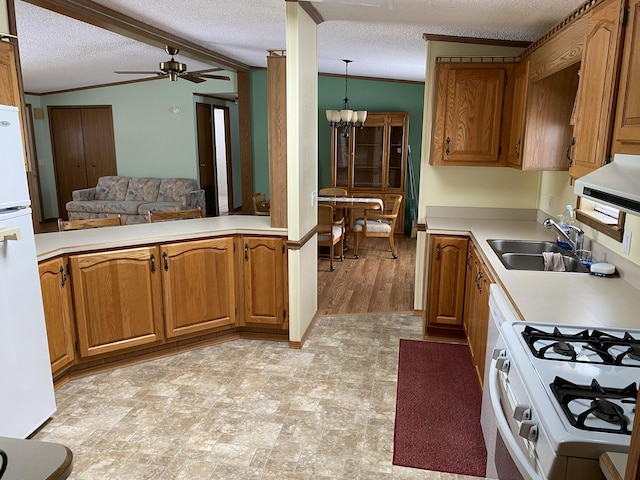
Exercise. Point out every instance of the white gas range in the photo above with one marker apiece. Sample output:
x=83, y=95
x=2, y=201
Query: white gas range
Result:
x=556, y=397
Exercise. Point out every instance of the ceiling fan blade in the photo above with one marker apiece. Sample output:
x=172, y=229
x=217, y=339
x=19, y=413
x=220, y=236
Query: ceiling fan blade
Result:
x=192, y=78
x=141, y=73
x=217, y=77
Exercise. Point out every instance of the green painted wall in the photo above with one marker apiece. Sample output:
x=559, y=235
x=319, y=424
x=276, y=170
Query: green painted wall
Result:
x=373, y=96
x=370, y=95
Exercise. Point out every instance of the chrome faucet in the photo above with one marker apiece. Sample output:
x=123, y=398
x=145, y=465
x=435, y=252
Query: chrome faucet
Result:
x=576, y=232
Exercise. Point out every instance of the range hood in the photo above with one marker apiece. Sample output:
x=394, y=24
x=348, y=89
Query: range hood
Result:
x=616, y=184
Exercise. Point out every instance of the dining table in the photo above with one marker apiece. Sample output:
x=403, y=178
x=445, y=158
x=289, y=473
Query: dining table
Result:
x=347, y=205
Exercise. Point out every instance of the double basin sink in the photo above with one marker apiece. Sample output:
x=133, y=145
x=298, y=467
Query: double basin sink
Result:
x=527, y=255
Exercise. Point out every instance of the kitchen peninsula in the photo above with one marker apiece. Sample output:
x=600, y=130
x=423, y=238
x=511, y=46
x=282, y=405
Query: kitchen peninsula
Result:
x=115, y=294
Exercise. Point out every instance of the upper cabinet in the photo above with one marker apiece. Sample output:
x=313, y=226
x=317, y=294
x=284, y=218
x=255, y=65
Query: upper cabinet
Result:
x=473, y=113
x=626, y=134
x=596, y=92
x=372, y=158
x=516, y=137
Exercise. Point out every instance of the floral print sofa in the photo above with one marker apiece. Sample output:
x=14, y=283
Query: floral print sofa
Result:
x=133, y=197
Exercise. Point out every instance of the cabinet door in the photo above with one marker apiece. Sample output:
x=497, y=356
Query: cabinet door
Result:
x=596, y=91
x=447, y=282
x=626, y=135
x=370, y=150
x=397, y=152
x=198, y=286
x=342, y=153
x=482, y=322
x=469, y=108
x=264, y=280
x=118, y=300
x=516, y=139
x=470, y=294
x=56, y=300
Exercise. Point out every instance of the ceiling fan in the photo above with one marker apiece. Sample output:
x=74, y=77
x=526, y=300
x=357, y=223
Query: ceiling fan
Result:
x=174, y=70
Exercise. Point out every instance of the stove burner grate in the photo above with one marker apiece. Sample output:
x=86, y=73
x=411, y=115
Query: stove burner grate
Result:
x=601, y=405
x=609, y=349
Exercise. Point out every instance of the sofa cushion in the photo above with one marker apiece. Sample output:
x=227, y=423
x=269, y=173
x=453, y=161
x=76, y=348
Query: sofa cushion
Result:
x=174, y=189
x=112, y=188
x=158, y=207
x=143, y=189
x=104, y=206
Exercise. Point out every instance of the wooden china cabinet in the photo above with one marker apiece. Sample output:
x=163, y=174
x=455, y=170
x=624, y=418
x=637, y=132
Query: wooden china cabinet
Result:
x=371, y=161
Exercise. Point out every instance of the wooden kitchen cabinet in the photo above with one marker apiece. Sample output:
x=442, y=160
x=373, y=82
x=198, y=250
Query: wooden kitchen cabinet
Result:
x=626, y=134
x=371, y=161
x=597, y=88
x=198, y=286
x=447, y=273
x=476, y=309
x=473, y=114
x=265, y=281
x=58, y=313
x=520, y=91
x=118, y=300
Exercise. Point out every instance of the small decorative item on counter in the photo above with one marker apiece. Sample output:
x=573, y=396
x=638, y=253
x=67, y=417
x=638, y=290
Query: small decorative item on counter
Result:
x=602, y=269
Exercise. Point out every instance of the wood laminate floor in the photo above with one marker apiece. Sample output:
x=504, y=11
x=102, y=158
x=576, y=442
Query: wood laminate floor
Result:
x=374, y=283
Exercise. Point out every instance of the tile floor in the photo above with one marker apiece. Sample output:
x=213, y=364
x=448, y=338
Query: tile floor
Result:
x=246, y=409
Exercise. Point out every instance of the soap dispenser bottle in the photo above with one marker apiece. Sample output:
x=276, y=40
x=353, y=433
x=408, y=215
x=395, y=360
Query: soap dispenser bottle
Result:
x=567, y=219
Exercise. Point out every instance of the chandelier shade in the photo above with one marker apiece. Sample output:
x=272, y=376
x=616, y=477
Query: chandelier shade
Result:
x=346, y=118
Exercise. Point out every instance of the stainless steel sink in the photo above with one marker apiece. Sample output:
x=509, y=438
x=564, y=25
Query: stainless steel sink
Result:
x=524, y=246
x=527, y=255
x=528, y=261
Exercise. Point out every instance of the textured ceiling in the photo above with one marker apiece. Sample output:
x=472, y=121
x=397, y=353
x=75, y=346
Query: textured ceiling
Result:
x=384, y=41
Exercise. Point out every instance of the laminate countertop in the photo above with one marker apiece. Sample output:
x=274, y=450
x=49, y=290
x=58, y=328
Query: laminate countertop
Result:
x=49, y=245
x=548, y=297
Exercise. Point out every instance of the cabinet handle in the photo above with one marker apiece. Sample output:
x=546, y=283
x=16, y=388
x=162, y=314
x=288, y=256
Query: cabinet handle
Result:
x=479, y=282
x=448, y=150
x=166, y=262
x=438, y=252
x=569, y=152
x=153, y=263
x=64, y=277
x=246, y=251
x=518, y=148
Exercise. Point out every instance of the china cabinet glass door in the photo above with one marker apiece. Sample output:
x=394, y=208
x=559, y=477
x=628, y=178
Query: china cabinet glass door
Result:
x=368, y=158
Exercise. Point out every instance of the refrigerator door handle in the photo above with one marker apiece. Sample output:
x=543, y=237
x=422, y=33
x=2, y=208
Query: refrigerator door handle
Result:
x=7, y=234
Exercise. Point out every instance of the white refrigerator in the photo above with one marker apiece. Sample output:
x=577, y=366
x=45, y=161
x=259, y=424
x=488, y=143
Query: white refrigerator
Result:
x=26, y=386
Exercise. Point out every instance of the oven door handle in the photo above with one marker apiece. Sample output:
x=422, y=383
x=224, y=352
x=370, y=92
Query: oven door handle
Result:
x=507, y=435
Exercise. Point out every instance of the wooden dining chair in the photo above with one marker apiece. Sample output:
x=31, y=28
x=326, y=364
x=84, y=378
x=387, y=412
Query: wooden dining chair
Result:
x=378, y=224
x=330, y=232
x=260, y=204
x=333, y=192
x=177, y=215
x=64, y=225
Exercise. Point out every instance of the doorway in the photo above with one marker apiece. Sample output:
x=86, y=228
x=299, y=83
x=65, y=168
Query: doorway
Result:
x=214, y=157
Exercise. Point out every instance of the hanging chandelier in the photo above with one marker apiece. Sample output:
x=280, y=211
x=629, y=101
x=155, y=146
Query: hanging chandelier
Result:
x=346, y=118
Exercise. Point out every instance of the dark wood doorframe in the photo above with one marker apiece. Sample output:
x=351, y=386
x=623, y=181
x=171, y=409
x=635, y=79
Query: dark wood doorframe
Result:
x=206, y=156
x=207, y=125
x=33, y=153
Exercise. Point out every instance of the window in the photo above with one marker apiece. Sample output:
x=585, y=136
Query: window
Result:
x=607, y=220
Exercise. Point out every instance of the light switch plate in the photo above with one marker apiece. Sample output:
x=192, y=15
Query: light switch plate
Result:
x=626, y=242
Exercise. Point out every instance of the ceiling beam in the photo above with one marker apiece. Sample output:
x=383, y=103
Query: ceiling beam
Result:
x=108, y=19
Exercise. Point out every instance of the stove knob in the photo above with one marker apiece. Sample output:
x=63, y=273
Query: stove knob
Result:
x=529, y=430
x=503, y=364
x=498, y=352
x=522, y=412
